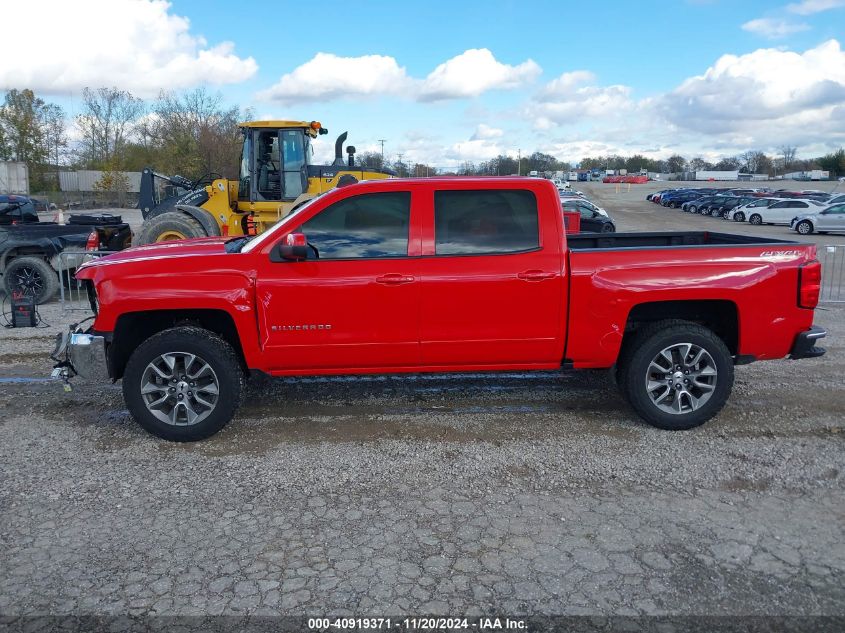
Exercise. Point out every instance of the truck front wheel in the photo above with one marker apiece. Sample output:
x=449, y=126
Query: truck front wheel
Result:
x=676, y=374
x=183, y=384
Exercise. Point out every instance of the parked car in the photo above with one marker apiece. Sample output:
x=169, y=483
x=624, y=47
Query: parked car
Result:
x=730, y=203
x=740, y=212
x=781, y=212
x=481, y=276
x=824, y=220
x=675, y=201
x=593, y=219
x=695, y=206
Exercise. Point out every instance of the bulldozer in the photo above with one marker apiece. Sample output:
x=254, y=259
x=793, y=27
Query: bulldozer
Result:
x=275, y=177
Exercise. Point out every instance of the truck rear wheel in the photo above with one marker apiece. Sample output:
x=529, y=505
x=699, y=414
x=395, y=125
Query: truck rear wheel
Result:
x=676, y=374
x=173, y=225
x=183, y=384
x=32, y=277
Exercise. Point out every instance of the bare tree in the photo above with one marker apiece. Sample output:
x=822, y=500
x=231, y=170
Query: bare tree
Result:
x=108, y=120
x=676, y=164
x=194, y=133
x=788, y=153
x=55, y=132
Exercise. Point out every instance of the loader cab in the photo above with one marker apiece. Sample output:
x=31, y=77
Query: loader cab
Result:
x=274, y=164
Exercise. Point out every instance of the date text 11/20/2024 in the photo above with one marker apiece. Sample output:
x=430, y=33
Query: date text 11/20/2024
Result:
x=418, y=623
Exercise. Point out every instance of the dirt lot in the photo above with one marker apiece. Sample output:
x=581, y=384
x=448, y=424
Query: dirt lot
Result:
x=515, y=494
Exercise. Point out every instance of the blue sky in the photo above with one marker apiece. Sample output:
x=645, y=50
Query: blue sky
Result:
x=570, y=79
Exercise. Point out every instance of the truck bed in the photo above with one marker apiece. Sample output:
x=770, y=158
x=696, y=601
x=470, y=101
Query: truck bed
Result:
x=598, y=241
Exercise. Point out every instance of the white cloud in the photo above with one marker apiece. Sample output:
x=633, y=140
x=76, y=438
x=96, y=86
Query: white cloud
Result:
x=472, y=73
x=329, y=77
x=774, y=28
x=767, y=95
x=483, y=132
x=136, y=45
x=573, y=97
x=808, y=7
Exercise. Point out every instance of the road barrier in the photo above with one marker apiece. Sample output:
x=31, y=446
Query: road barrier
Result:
x=73, y=295
x=832, y=258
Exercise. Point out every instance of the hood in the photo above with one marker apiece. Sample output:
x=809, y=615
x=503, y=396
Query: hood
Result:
x=162, y=250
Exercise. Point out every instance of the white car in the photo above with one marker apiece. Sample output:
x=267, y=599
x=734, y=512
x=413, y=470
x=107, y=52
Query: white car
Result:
x=782, y=212
x=828, y=218
x=740, y=213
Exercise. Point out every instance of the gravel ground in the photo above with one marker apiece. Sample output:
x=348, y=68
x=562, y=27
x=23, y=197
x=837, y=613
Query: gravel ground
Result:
x=519, y=494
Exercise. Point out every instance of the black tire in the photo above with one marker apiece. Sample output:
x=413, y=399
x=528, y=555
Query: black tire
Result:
x=169, y=226
x=739, y=217
x=804, y=227
x=209, y=349
x=756, y=219
x=693, y=209
x=635, y=362
x=33, y=277
x=608, y=227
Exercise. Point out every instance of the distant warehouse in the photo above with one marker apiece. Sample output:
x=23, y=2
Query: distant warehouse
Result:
x=717, y=175
x=86, y=180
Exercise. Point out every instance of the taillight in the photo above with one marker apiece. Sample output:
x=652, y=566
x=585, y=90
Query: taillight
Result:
x=809, y=284
x=93, y=242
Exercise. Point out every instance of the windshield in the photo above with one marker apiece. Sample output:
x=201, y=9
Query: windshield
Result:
x=255, y=242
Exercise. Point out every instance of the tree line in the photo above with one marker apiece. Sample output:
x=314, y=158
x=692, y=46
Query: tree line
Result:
x=193, y=133
x=190, y=133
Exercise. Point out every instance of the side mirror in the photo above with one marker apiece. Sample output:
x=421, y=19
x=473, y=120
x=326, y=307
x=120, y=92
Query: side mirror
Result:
x=294, y=248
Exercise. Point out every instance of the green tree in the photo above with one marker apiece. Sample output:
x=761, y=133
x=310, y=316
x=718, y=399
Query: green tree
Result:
x=833, y=162
x=22, y=118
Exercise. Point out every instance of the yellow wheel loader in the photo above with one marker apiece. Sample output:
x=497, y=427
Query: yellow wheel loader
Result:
x=276, y=176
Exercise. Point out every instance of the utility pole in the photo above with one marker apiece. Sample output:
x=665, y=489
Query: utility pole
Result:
x=519, y=162
x=400, y=164
x=382, y=141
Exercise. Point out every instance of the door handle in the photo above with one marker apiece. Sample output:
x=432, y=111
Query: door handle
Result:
x=536, y=275
x=394, y=279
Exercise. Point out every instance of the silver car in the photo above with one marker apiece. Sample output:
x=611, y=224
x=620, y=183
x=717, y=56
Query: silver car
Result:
x=829, y=218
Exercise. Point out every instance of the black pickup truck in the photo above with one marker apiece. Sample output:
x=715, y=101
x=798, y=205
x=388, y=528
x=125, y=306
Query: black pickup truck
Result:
x=30, y=249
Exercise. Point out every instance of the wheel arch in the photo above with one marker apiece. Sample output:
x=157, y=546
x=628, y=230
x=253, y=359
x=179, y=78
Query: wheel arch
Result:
x=133, y=328
x=719, y=315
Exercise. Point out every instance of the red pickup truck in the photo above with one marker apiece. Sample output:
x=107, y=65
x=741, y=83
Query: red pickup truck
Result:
x=440, y=275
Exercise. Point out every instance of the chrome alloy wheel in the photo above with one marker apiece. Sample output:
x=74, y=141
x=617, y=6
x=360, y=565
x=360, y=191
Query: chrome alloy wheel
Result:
x=179, y=388
x=681, y=378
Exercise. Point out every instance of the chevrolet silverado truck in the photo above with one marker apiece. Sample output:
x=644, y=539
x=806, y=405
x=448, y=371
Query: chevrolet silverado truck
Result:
x=30, y=249
x=440, y=275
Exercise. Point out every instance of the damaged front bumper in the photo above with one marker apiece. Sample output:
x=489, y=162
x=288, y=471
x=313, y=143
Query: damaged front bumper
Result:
x=79, y=353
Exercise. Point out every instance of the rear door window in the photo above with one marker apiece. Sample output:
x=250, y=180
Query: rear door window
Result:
x=485, y=222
